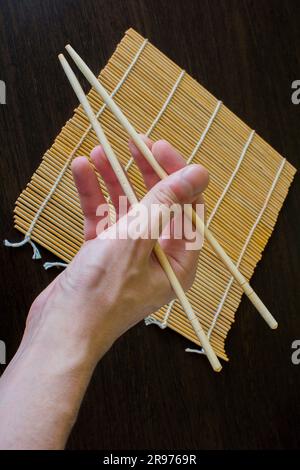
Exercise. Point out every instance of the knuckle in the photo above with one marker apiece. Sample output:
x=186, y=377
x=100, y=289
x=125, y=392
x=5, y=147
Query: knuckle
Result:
x=165, y=195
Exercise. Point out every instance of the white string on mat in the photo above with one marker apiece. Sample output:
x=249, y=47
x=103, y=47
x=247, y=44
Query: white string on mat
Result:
x=27, y=237
x=164, y=323
x=240, y=160
x=205, y=132
x=221, y=304
x=161, y=112
x=56, y=264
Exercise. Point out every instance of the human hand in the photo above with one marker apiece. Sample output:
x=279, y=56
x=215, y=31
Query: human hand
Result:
x=110, y=285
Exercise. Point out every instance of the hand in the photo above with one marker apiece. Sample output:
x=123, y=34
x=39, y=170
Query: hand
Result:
x=112, y=284
x=108, y=287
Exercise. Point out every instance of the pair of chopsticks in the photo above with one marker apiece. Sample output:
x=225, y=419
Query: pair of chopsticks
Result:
x=126, y=186
x=197, y=221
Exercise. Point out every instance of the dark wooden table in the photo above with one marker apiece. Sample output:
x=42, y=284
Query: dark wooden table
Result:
x=147, y=392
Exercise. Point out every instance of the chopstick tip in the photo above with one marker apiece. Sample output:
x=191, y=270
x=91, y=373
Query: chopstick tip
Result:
x=61, y=58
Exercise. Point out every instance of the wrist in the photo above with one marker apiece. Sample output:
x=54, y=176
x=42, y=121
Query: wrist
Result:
x=54, y=356
x=68, y=337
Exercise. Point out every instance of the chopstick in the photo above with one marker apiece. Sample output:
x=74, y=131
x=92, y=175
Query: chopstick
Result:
x=126, y=186
x=198, y=222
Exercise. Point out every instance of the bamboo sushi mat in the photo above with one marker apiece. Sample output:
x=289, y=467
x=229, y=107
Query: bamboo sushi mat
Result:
x=249, y=180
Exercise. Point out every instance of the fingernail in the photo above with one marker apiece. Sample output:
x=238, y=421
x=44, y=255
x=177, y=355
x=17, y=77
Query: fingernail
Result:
x=190, y=180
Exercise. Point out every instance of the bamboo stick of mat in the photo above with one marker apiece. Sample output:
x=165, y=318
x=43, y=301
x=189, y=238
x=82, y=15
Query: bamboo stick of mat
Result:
x=126, y=186
x=198, y=222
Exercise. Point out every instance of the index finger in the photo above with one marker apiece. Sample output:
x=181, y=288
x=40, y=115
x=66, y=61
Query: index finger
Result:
x=167, y=156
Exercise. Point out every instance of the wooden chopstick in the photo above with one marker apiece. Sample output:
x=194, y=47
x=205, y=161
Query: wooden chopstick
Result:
x=126, y=186
x=198, y=222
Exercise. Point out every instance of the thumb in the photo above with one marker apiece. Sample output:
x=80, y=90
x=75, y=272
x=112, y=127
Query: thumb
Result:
x=182, y=187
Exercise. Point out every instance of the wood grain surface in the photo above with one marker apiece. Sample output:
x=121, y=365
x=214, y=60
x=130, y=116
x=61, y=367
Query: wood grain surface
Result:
x=147, y=392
